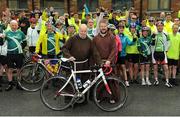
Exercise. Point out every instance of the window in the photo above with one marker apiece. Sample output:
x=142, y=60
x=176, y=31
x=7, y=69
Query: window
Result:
x=119, y=4
x=159, y=5
x=23, y=4
x=91, y=4
x=58, y=5
x=13, y=4
x=17, y=4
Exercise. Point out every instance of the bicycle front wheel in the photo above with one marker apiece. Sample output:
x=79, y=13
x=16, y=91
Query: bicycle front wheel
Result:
x=31, y=77
x=52, y=98
x=110, y=102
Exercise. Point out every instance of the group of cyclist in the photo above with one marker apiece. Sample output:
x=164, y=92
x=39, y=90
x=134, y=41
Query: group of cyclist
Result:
x=116, y=37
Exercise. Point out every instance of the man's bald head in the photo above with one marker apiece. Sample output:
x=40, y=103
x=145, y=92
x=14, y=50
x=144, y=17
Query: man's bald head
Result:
x=83, y=31
x=14, y=25
x=83, y=27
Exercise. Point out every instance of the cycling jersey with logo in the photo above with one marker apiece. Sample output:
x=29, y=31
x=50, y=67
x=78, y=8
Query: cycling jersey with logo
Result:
x=51, y=44
x=159, y=44
x=14, y=40
x=144, y=46
x=90, y=33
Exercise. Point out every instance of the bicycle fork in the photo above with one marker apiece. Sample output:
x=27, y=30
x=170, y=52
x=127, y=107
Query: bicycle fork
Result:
x=35, y=69
x=105, y=83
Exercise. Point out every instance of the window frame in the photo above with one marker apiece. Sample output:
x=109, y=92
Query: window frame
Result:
x=159, y=9
x=43, y=5
x=18, y=5
x=126, y=5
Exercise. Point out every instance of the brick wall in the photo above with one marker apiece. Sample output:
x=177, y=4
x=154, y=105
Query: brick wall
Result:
x=73, y=5
x=3, y=4
x=175, y=6
x=106, y=3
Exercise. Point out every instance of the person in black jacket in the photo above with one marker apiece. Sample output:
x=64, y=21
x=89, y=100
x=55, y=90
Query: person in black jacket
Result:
x=23, y=22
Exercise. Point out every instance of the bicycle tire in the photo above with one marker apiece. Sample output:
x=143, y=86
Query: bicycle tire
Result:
x=27, y=81
x=102, y=97
x=54, y=100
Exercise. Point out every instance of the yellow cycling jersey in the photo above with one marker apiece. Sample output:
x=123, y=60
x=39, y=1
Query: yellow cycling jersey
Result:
x=153, y=28
x=179, y=14
x=132, y=49
x=168, y=27
x=43, y=40
x=174, y=48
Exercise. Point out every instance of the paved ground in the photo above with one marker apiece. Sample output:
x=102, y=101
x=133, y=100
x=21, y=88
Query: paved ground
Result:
x=142, y=100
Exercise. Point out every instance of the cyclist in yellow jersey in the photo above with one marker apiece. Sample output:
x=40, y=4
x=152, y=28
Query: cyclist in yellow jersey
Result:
x=118, y=16
x=133, y=54
x=179, y=14
x=168, y=24
x=49, y=41
x=126, y=29
x=71, y=31
x=173, y=54
x=113, y=19
x=151, y=24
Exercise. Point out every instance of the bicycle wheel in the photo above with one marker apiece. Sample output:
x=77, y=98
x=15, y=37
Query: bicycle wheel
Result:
x=31, y=77
x=57, y=100
x=110, y=102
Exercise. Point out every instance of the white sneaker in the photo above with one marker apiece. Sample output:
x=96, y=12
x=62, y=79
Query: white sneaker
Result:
x=127, y=83
x=143, y=83
x=148, y=82
x=168, y=85
x=98, y=101
x=156, y=82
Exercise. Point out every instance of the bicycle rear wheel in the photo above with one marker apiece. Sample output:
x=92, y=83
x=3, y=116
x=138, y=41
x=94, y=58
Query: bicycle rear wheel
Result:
x=57, y=100
x=110, y=102
x=31, y=77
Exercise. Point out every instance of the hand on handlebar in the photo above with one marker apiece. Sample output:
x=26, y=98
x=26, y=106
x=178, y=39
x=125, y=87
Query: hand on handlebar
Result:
x=107, y=63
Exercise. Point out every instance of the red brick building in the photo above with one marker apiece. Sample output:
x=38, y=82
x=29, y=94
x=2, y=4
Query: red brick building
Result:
x=150, y=6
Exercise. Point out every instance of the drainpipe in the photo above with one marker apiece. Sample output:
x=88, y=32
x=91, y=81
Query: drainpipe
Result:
x=33, y=5
x=68, y=6
x=140, y=11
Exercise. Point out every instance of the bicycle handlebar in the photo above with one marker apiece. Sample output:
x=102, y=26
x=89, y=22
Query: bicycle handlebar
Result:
x=106, y=69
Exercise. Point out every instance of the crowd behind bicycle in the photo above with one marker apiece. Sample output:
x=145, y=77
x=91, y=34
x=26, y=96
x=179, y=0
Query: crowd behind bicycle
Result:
x=109, y=36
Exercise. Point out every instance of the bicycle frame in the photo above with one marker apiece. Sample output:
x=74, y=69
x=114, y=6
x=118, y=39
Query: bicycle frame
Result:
x=40, y=62
x=73, y=76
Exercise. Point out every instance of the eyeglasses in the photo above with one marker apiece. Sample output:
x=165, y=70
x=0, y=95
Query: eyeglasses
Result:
x=121, y=27
x=112, y=30
x=151, y=20
x=176, y=19
x=168, y=13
